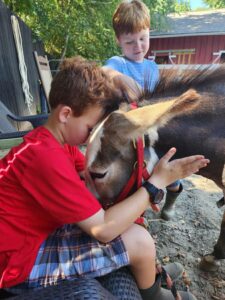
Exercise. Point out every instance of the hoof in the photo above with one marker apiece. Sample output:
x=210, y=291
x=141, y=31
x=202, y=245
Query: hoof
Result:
x=209, y=263
x=167, y=215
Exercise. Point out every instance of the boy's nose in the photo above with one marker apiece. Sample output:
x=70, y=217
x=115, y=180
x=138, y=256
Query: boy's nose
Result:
x=138, y=45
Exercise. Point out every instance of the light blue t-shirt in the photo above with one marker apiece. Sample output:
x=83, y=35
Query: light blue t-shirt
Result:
x=145, y=72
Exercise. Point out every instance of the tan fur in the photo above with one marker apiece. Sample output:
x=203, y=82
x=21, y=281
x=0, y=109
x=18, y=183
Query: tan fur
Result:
x=223, y=177
x=134, y=123
x=96, y=137
x=153, y=135
x=121, y=127
x=160, y=113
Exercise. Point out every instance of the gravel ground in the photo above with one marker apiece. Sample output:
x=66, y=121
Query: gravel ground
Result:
x=192, y=234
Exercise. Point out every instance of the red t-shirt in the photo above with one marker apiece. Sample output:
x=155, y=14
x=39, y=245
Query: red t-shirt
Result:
x=40, y=190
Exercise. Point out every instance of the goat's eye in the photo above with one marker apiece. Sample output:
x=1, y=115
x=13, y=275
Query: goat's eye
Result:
x=97, y=175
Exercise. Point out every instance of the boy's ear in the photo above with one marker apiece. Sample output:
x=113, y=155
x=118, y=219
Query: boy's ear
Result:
x=64, y=114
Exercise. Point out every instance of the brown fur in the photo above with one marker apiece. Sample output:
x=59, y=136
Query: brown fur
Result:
x=194, y=123
x=174, y=82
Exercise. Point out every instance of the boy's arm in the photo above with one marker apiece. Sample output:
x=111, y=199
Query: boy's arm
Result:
x=107, y=225
x=126, y=84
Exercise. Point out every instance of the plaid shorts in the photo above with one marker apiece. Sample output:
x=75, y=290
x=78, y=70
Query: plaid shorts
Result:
x=69, y=253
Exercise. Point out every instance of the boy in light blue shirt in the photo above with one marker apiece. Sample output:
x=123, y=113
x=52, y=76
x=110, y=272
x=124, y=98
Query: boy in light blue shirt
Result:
x=142, y=72
x=131, y=24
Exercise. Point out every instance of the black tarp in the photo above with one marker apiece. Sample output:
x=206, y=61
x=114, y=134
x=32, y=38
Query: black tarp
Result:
x=11, y=93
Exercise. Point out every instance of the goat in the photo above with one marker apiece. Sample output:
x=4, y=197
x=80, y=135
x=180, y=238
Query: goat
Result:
x=187, y=111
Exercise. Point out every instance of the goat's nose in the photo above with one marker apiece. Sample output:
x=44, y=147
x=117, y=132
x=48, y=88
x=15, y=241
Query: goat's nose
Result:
x=95, y=175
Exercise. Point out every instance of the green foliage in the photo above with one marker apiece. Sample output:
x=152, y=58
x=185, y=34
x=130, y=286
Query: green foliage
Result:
x=70, y=27
x=182, y=6
x=82, y=27
x=160, y=8
x=22, y=5
x=215, y=3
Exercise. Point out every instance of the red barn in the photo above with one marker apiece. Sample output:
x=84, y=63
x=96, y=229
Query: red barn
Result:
x=191, y=38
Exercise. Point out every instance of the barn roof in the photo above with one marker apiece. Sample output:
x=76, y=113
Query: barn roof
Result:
x=208, y=22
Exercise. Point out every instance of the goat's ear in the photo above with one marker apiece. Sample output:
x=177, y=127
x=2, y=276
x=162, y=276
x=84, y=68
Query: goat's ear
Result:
x=134, y=123
x=157, y=115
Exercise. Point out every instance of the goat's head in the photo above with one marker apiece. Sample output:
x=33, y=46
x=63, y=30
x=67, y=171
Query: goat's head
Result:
x=110, y=155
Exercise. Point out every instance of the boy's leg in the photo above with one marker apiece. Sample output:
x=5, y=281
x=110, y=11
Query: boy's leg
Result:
x=142, y=255
x=141, y=251
x=173, y=191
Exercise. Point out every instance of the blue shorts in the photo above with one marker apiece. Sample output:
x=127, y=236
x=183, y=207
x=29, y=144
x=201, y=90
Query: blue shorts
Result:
x=70, y=253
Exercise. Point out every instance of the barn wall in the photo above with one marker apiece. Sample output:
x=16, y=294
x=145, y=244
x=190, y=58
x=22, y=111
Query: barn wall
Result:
x=11, y=93
x=204, y=47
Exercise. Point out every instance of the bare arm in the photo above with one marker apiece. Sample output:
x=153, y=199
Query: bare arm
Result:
x=125, y=83
x=107, y=225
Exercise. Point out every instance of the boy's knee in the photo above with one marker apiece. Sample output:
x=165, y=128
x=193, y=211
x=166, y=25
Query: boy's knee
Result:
x=143, y=238
x=139, y=242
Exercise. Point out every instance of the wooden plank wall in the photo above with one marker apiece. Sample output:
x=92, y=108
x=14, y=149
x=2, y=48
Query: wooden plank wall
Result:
x=11, y=93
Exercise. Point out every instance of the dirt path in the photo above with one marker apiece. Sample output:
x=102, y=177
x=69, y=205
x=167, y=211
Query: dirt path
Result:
x=193, y=234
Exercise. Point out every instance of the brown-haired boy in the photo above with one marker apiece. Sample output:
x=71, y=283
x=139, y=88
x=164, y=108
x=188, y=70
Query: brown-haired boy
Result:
x=131, y=24
x=51, y=226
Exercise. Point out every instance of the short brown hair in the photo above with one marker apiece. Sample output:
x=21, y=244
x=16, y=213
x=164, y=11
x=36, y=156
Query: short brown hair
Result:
x=80, y=84
x=131, y=16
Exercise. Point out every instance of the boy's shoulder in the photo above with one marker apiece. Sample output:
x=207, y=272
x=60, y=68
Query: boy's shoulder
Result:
x=116, y=59
x=42, y=149
x=116, y=63
x=149, y=62
x=40, y=134
x=146, y=64
x=40, y=142
x=123, y=60
x=120, y=63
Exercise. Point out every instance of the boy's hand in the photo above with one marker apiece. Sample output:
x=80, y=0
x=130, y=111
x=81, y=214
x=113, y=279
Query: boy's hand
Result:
x=127, y=85
x=166, y=172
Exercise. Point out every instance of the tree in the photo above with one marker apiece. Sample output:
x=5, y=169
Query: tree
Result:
x=70, y=27
x=215, y=3
x=82, y=27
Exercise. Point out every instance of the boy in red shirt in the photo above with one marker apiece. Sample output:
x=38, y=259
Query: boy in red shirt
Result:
x=51, y=227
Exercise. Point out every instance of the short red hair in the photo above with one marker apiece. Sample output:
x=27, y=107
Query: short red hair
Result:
x=131, y=16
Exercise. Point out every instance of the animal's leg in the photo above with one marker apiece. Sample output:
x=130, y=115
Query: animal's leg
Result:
x=210, y=262
x=219, y=248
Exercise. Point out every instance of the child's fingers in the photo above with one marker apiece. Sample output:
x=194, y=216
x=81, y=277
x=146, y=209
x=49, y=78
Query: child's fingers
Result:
x=203, y=163
x=169, y=154
x=198, y=164
x=194, y=166
x=192, y=159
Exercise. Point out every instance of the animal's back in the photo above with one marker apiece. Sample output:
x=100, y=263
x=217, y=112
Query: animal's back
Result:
x=201, y=131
